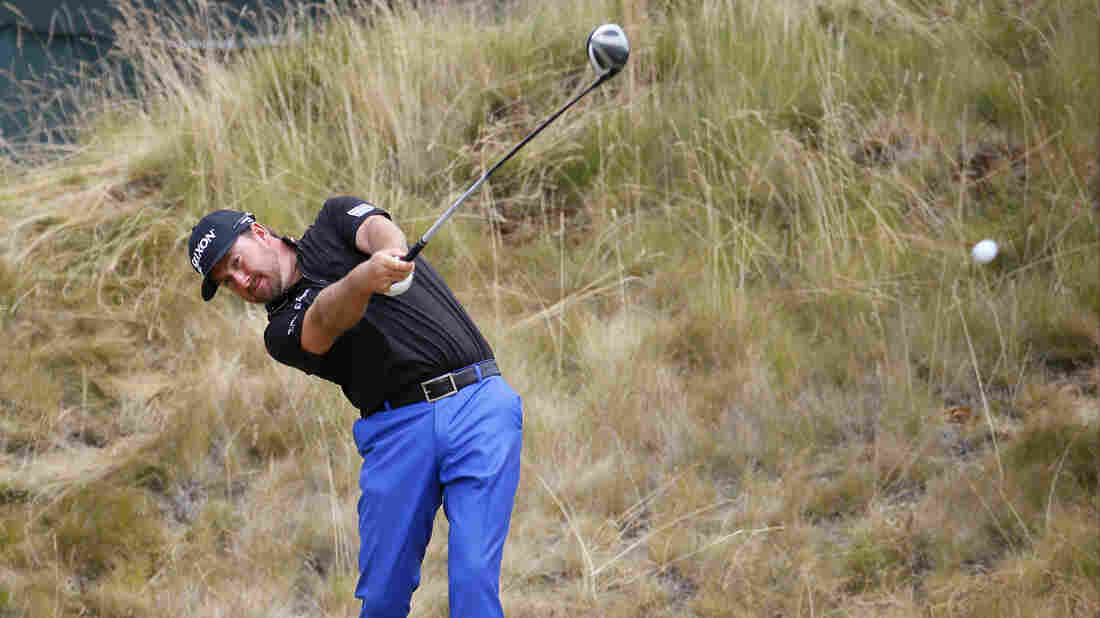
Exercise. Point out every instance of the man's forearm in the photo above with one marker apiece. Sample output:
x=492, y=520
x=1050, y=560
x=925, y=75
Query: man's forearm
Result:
x=337, y=308
x=341, y=305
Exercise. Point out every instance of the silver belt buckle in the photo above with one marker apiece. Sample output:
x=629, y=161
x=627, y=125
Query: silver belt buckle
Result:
x=428, y=397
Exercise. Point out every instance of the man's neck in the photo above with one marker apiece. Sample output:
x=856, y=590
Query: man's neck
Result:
x=288, y=258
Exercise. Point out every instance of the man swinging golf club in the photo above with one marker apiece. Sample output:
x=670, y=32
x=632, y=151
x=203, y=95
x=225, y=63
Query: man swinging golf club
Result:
x=439, y=425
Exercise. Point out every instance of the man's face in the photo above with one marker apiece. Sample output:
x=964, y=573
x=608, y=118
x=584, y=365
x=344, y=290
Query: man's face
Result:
x=251, y=267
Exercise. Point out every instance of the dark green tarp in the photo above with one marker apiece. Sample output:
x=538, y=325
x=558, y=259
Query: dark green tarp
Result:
x=48, y=48
x=60, y=17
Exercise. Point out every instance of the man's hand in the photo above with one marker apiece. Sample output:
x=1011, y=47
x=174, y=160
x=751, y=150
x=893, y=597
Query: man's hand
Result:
x=387, y=268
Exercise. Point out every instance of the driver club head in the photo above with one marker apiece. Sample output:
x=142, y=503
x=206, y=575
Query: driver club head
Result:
x=608, y=49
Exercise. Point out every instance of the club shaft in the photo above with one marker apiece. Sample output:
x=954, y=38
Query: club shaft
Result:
x=420, y=244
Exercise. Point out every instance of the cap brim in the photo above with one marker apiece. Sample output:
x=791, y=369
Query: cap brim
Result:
x=209, y=289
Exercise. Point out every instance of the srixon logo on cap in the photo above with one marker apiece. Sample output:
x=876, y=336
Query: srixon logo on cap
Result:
x=196, y=257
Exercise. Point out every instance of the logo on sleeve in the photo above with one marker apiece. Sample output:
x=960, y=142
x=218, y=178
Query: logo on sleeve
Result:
x=361, y=210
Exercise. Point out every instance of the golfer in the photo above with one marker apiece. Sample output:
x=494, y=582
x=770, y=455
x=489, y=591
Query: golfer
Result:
x=438, y=424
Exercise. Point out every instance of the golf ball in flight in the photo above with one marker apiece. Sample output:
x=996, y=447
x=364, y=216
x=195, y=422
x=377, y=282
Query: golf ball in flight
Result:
x=984, y=251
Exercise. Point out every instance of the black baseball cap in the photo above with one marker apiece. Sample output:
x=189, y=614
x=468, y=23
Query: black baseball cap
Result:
x=211, y=239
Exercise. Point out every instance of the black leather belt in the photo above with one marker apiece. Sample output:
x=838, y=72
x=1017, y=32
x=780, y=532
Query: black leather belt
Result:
x=441, y=386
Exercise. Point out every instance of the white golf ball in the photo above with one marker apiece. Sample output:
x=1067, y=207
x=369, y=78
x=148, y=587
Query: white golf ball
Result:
x=984, y=251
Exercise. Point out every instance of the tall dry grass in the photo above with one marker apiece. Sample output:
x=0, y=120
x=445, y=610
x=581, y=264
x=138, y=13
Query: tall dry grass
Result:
x=761, y=374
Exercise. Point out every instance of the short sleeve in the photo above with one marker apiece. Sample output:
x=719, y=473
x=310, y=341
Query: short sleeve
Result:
x=345, y=214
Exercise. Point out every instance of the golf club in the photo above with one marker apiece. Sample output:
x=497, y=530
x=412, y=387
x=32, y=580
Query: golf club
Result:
x=608, y=50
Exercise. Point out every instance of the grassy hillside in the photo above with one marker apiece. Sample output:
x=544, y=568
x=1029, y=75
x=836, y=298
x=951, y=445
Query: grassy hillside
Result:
x=762, y=375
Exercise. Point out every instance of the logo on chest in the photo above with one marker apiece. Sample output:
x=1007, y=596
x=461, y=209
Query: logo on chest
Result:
x=303, y=297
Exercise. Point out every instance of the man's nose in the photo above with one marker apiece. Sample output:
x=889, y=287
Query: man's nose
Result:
x=240, y=279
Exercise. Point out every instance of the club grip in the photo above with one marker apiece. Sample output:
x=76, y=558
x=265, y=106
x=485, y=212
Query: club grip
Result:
x=414, y=251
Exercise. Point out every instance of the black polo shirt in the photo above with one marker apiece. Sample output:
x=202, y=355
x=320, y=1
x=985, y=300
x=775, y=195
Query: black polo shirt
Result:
x=401, y=340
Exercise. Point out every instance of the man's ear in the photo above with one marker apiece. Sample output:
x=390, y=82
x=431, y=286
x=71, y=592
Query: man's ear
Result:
x=260, y=231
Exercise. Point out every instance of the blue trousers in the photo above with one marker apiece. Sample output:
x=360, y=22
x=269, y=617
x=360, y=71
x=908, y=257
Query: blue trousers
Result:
x=461, y=452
